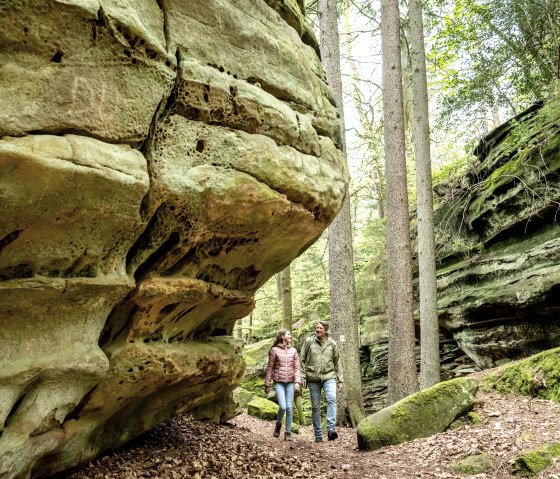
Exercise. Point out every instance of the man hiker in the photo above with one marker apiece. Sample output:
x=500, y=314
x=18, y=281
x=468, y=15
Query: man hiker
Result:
x=321, y=369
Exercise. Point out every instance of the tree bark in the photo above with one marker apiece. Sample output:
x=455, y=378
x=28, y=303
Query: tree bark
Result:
x=402, y=379
x=286, y=289
x=343, y=314
x=240, y=328
x=429, y=330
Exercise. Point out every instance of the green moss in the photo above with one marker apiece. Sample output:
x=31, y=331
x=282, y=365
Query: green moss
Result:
x=419, y=415
x=536, y=376
x=474, y=418
x=256, y=354
x=530, y=463
x=475, y=464
x=262, y=408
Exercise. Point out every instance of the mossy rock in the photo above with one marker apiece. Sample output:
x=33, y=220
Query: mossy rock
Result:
x=254, y=383
x=530, y=463
x=242, y=397
x=262, y=408
x=536, y=376
x=475, y=464
x=469, y=419
x=257, y=353
x=422, y=414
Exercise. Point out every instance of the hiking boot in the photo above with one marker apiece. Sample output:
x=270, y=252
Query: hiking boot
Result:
x=277, y=429
x=332, y=435
x=287, y=436
x=318, y=439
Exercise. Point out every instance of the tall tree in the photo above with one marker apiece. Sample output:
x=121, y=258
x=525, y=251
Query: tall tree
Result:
x=429, y=330
x=366, y=114
x=343, y=313
x=402, y=379
x=286, y=296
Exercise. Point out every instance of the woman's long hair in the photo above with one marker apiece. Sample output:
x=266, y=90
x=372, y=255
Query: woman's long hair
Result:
x=279, y=337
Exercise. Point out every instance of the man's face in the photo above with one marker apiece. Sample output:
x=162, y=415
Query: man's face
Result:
x=320, y=331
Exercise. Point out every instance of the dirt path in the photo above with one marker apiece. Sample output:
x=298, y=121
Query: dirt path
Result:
x=245, y=448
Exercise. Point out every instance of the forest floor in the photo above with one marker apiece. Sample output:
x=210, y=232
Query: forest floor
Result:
x=245, y=448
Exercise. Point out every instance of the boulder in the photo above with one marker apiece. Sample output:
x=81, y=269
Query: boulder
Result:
x=160, y=160
x=419, y=415
x=262, y=408
x=473, y=464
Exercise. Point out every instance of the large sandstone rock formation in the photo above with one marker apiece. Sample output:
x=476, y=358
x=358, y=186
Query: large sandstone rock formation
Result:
x=499, y=238
x=160, y=160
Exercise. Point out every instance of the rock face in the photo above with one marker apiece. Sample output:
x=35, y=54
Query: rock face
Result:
x=159, y=160
x=499, y=240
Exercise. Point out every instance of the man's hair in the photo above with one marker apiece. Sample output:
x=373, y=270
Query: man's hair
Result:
x=324, y=324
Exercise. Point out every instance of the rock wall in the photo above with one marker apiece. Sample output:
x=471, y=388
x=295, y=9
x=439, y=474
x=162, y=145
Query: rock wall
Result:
x=159, y=160
x=499, y=247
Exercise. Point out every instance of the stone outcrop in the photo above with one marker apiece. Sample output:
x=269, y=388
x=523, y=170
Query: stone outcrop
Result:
x=499, y=247
x=159, y=161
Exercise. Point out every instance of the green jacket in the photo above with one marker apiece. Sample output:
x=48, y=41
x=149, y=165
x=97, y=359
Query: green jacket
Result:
x=320, y=361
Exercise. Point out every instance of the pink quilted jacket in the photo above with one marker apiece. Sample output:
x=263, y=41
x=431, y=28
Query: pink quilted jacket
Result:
x=283, y=365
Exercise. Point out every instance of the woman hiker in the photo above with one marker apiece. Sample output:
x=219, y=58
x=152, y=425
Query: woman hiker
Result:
x=283, y=368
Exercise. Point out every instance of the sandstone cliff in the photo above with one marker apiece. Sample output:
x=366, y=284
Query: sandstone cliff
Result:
x=160, y=160
x=499, y=243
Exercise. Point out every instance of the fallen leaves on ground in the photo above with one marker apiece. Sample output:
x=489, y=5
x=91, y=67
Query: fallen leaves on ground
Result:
x=245, y=448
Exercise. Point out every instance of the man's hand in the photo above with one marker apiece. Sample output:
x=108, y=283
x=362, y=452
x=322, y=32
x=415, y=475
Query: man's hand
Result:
x=339, y=387
x=266, y=389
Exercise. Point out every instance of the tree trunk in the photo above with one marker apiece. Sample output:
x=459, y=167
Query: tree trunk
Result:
x=240, y=328
x=429, y=330
x=286, y=289
x=250, y=333
x=402, y=379
x=344, y=317
x=367, y=124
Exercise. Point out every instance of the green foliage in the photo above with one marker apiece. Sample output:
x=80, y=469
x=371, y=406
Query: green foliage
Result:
x=486, y=53
x=310, y=296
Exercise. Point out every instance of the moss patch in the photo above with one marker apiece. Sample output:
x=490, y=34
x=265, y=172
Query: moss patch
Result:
x=475, y=464
x=262, y=408
x=530, y=463
x=536, y=376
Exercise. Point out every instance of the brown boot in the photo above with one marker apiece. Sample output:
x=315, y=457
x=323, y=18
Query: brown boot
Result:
x=287, y=436
x=277, y=429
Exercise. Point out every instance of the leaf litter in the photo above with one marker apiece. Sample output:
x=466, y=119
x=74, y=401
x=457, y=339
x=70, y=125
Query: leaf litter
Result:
x=245, y=448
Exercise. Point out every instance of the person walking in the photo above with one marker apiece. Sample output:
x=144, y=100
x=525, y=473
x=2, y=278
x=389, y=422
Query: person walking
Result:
x=321, y=369
x=284, y=369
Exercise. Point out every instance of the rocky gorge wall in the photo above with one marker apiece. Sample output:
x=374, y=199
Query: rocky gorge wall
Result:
x=159, y=161
x=499, y=243
x=498, y=254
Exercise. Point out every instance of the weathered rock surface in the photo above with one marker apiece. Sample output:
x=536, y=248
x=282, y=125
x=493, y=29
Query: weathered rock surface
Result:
x=159, y=160
x=498, y=233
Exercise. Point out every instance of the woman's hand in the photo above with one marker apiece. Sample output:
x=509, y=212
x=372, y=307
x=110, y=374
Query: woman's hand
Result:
x=297, y=386
x=266, y=389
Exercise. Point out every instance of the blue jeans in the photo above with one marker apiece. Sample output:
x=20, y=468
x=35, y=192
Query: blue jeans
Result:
x=330, y=394
x=285, y=398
